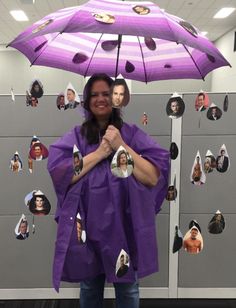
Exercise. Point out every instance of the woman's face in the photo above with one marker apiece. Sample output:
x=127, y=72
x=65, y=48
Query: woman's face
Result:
x=100, y=104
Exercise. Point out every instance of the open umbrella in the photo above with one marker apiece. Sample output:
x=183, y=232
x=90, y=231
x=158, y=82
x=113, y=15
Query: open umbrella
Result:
x=135, y=39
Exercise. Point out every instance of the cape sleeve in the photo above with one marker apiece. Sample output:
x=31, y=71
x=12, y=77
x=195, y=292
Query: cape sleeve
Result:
x=60, y=166
x=149, y=149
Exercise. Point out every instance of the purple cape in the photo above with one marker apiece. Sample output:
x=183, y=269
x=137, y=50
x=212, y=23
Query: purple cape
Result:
x=116, y=213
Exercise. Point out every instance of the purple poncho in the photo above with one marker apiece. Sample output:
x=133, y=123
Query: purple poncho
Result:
x=117, y=213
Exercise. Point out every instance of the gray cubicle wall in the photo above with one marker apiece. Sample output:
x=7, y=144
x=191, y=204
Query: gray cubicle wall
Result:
x=212, y=272
x=26, y=265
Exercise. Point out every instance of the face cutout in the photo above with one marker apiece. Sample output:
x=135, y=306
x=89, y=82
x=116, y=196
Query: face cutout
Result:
x=174, y=151
x=77, y=160
x=16, y=163
x=217, y=223
x=120, y=95
x=42, y=26
x=178, y=240
x=122, y=264
x=30, y=160
x=193, y=241
x=201, y=101
x=210, y=162
x=36, y=89
x=104, y=18
x=222, y=160
x=22, y=228
x=141, y=10
x=38, y=151
x=144, y=119
x=61, y=102
x=188, y=27
x=81, y=234
x=226, y=103
x=31, y=100
x=214, y=113
x=39, y=204
x=72, y=99
x=197, y=176
x=122, y=163
x=171, y=193
x=175, y=107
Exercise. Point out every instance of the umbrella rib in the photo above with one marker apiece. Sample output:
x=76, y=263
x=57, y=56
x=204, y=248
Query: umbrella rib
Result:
x=91, y=58
x=144, y=66
x=193, y=61
x=32, y=63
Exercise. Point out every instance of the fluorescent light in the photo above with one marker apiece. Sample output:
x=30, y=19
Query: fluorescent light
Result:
x=204, y=33
x=224, y=12
x=19, y=15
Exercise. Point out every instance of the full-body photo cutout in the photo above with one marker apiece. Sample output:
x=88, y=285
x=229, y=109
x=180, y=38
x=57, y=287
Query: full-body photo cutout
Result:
x=16, y=163
x=197, y=176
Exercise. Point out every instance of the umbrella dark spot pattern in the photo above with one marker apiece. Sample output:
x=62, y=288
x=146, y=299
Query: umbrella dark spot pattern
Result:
x=79, y=58
x=147, y=41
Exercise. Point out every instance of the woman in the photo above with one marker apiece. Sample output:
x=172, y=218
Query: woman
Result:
x=117, y=213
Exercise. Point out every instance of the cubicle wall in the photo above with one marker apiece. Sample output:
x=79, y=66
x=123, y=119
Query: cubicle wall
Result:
x=26, y=265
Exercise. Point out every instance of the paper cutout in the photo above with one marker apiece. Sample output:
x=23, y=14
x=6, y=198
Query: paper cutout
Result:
x=197, y=176
x=12, y=95
x=36, y=89
x=188, y=27
x=72, y=99
x=193, y=241
x=31, y=100
x=214, y=113
x=194, y=223
x=222, y=160
x=120, y=95
x=171, y=193
x=174, y=151
x=77, y=160
x=30, y=160
x=38, y=151
x=201, y=101
x=42, y=26
x=217, y=223
x=104, y=17
x=81, y=234
x=122, y=264
x=210, y=162
x=29, y=196
x=22, y=228
x=122, y=163
x=175, y=106
x=16, y=163
x=141, y=10
x=39, y=204
x=61, y=102
x=226, y=103
x=178, y=240
x=144, y=119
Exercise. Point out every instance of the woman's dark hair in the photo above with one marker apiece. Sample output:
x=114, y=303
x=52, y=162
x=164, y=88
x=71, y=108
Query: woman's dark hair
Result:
x=35, y=93
x=90, y=128
x=118, y=157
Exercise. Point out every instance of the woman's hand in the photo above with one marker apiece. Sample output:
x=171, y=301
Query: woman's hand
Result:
x=104, y=149
x=113, y=137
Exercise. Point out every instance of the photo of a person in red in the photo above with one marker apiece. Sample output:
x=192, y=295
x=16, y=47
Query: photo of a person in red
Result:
x=38, y=151
x=39, y=204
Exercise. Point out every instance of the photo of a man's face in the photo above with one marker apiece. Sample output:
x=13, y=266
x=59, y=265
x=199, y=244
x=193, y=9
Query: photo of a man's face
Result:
x=119, y=93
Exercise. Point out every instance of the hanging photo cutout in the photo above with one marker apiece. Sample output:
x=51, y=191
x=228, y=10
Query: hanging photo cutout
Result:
x=104, y=17
x=122, y=264
x=77, y=160
x=16, y=163
x=120, y=95
x=175, y=106
x=178, y=240
x=197, y=176
x=38, y=151
x=217, y=223
x=201, y=101
x=31, y=100
x=72, y=99
x=36, y=89
x=144, y=119
x=193, y=241
x=210, y=162
x=141, y=10
x=30, y=160
x=214, y=113
x=81, y=234
x=39, y=204
x=61, y=102
x=171, y=193
x=29, y=196
x=194, y=223
x=222, y=160
x=174, y=151
x=22, y=228
x=226, y=103
x=122, y=163
x=12, y=95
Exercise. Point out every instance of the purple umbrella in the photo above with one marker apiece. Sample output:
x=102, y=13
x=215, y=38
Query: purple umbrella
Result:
x=135, y=39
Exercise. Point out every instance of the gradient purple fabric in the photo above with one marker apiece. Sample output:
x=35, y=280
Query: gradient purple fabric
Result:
x=117, y=213
x=156, y=46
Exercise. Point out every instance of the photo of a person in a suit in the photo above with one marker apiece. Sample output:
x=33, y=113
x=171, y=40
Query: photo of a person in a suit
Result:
x=214, y=113
x=23, y=230
x=222, y=161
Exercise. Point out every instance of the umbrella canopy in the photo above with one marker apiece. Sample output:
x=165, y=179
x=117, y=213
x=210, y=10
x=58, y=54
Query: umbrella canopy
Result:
x=135, y=39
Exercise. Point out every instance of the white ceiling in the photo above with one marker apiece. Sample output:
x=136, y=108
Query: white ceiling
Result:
x=197, y=12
